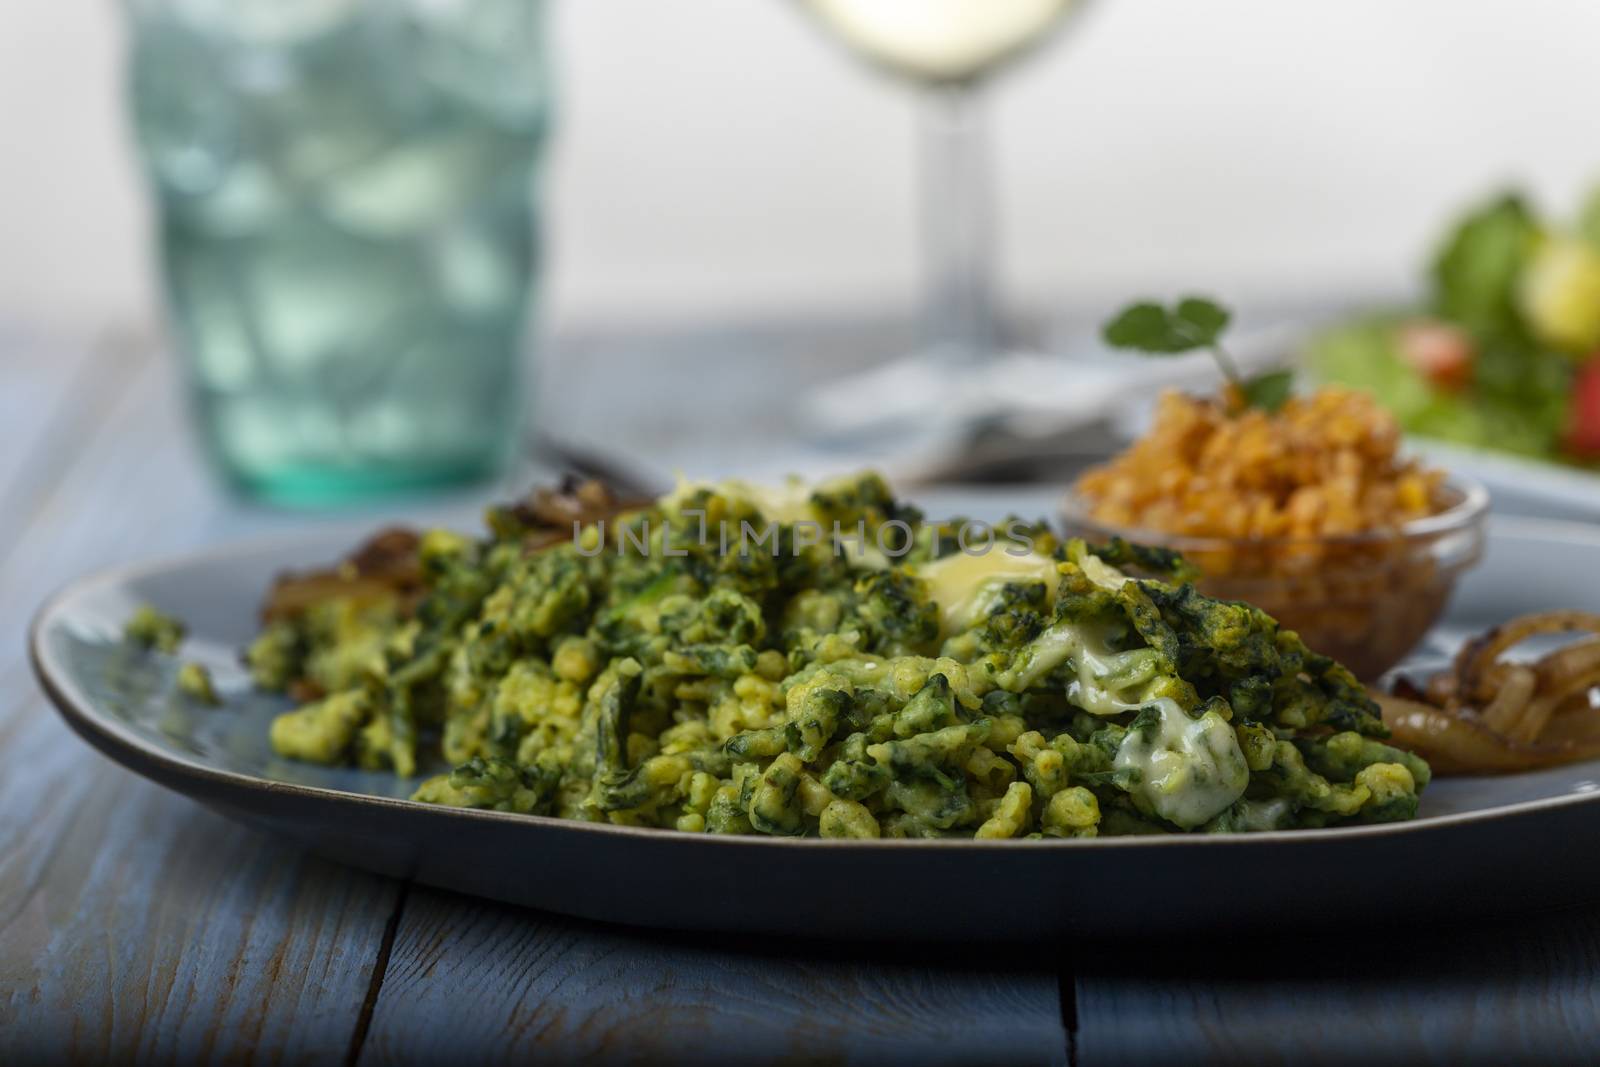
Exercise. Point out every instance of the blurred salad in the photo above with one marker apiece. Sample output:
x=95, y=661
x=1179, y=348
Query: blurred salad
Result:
x=1506, y=354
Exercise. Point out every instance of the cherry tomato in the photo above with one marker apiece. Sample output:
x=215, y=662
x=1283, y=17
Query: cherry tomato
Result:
x=1582, y=438
x=1441, y=353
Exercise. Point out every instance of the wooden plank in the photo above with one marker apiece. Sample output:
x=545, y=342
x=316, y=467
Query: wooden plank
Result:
x=139, y=928
x=481, y=982
x=134, y=924
x=1519, y=991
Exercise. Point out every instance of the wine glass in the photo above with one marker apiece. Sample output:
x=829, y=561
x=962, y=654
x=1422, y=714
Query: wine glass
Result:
x=948, y=48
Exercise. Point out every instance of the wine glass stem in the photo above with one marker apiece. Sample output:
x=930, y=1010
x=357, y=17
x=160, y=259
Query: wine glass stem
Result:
x=958, y=318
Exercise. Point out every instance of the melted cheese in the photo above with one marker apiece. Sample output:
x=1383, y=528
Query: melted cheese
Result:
x=1192, y=769
x=786, y=503
x=1102, y=573
x=1189, y=770
x=1094, y=664
x=966, y=587
x=1260, y=815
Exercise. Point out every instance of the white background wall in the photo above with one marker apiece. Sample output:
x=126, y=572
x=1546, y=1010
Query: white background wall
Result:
x=719, y=157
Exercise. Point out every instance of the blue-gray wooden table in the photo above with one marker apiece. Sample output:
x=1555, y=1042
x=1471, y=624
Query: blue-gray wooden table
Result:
x=136, y=926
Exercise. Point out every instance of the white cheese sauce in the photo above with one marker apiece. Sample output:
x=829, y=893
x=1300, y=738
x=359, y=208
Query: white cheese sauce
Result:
x=1190, y=771
x=967, y=587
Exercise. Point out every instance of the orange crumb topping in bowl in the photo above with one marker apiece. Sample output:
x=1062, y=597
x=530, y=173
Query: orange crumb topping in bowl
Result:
x=1324, y=464
x=1310, y=512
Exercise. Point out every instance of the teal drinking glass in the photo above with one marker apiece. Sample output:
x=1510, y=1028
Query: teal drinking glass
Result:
x=346, y=215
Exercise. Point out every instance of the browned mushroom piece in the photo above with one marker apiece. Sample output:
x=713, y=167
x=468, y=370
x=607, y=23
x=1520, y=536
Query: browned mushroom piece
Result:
x=385, y=565
x=388, y=552
x=547, y=516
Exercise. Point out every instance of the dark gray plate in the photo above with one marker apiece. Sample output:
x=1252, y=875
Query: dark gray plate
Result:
x=1480, y=844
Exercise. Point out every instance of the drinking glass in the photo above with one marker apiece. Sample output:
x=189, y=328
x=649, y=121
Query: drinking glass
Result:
x=346, y=229
x=949, y=48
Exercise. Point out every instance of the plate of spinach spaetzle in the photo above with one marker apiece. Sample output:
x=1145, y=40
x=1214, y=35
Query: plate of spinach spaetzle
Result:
x=807, y=709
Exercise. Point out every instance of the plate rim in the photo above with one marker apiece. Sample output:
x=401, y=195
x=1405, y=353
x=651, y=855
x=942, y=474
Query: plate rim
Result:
x=1499, y=465
x=126, y=747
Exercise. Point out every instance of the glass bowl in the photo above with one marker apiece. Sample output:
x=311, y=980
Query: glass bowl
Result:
x=1365, y=599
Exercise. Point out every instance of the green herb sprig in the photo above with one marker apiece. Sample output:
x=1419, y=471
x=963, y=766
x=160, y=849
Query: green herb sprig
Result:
x=1194, y=323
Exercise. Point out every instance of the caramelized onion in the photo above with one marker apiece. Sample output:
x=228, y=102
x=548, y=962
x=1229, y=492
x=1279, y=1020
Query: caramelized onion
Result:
x=1505, y=711
x=1479, y=659
x=1490, y=714
x=1456, y=744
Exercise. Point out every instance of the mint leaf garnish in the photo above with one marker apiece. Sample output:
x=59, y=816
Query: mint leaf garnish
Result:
x=1145, y=328
x=1193, y=323
x=1269, y=391
x=1201, y=320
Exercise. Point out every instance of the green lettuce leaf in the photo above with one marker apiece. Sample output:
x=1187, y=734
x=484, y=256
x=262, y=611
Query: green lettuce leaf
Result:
x=1475, y=274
